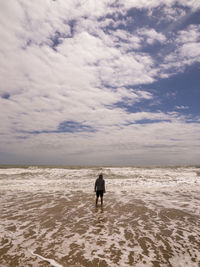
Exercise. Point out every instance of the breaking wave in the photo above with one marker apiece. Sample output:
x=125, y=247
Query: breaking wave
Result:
x=150, y=217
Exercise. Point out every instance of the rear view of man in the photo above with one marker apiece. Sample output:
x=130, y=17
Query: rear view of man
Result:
x=99, y=188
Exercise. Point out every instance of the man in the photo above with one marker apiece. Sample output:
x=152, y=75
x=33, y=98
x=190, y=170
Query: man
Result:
x=99, y=188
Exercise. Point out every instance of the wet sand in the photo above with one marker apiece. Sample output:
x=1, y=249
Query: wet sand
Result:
x=64, y=228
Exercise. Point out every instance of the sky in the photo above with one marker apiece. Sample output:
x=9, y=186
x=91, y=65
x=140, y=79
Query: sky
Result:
x=110, y=82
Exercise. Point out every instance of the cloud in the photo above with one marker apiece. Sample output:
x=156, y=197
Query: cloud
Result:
x=189, y=43
x=125, y=40
x=73, y=74
x=176, y=14
x=195, y=5
x=186, y=51
x=190, y=51
x=182, y=107
x=189, y=35
x=151, y=35
x=149, y=142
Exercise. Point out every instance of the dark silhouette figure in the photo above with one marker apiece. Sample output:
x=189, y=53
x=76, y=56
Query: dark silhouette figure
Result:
x=99, y=188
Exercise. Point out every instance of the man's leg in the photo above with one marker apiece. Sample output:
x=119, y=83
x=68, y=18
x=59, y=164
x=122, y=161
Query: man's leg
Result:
x=101, y=201
x=97, y=200
x=102, y=198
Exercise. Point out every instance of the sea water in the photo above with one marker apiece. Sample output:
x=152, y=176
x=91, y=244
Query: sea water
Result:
x=150, y=217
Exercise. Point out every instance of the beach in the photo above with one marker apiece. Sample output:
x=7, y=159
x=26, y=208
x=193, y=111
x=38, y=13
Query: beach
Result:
x=150, y=217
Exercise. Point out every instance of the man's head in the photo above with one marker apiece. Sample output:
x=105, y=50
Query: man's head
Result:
x=100, y=176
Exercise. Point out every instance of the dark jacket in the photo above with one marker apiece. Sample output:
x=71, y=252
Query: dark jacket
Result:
x=99, y=185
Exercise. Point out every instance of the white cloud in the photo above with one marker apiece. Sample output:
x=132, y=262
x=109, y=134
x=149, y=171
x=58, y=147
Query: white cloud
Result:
x=182, y=107
x=190, y=35
x=83, y=78
x=191, y=51
x=125, y=40
x=152, y=142
x=151, y=35
x=175, y=14
x=155, y=3
x=186, y=52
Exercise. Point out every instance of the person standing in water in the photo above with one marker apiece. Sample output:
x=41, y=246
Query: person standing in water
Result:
x=99, y=188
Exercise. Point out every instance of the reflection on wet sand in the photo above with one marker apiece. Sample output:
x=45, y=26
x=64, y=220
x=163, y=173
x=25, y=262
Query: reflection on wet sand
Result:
x=73, y=232
x=65, y=228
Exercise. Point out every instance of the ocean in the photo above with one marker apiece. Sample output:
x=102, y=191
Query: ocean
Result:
x=150, y=217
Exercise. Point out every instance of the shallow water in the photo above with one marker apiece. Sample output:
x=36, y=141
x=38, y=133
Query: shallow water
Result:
x=150, y=217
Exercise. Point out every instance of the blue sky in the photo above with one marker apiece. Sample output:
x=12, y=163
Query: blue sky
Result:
x=100, y=82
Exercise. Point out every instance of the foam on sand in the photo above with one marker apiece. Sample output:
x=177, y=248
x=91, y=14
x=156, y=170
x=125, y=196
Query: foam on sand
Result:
x=150, y=217
x=52, y=262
